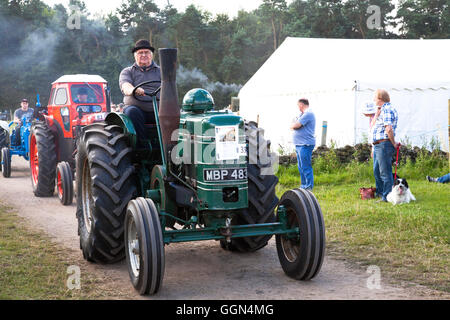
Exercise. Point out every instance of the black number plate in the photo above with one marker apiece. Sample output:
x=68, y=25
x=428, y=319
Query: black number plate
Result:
x=225, y=174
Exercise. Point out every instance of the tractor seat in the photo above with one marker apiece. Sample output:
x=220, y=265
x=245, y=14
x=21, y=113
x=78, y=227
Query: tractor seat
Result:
x=151, y=132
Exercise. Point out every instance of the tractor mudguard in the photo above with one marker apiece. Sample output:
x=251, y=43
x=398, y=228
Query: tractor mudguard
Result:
x=49, y=120
x=124, y=122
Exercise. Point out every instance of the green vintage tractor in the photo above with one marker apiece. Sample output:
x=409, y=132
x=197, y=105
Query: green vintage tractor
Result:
x=205, y=175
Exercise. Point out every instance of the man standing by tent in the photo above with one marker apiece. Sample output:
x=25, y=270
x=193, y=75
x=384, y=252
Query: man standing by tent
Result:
x=383, y=140
x=304, y=128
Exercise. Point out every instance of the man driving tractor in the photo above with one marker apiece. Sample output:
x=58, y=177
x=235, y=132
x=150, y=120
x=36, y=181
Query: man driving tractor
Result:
x=144, y=69
x=18, y=115
x=82, y=96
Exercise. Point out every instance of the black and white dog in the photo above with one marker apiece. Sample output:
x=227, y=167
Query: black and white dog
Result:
x=400, y=192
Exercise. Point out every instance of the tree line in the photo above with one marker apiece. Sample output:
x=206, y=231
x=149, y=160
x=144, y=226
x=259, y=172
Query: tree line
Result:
x=38, y=43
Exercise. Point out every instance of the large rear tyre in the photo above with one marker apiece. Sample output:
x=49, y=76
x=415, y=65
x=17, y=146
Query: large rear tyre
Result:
x=144, y=246
x=6, y=162
x=42, y=160
x=64, y=183
x=261, y=191
x=105, y=182
x=301, y=257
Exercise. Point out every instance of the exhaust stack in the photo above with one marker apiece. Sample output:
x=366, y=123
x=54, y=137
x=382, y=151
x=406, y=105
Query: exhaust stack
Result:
x=169, y=110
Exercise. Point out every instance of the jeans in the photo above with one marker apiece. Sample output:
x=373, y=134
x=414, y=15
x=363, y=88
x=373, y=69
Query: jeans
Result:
x=139, y=119
x=382, y=168
x=304, y=156
x=444, y=179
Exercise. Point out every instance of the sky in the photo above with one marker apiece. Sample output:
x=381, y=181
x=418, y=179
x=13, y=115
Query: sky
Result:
x=231, y=7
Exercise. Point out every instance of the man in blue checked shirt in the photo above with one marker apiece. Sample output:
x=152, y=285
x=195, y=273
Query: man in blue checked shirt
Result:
x=304, y=128
x=383, y=140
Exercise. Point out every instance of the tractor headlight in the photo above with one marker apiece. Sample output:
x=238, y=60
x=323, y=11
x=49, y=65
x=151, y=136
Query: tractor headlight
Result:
x=65, y=115
x=65, y=112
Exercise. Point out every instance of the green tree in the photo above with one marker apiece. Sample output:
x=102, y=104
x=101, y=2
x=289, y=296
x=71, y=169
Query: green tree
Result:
x=140, y=19
x=429, y=19
x=275, y=11
x=318, y=19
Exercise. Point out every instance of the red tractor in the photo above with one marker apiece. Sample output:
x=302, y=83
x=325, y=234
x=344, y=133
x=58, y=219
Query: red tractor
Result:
x=75, y=101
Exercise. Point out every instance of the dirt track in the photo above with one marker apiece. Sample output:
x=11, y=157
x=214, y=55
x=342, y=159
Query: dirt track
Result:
x=200, y=270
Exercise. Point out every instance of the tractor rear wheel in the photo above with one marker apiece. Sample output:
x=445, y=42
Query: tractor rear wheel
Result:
x=262, y=199
x=42, y=160
x=6, y=162
x=105, y=182
x=301, y=257
x=64, y=183
x=144, y=246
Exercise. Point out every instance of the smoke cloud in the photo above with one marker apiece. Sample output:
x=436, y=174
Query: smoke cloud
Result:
x=37, y=48
x=190, y=79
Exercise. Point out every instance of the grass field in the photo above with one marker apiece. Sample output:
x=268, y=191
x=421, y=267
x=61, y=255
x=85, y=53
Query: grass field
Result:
x=408, y=242
x=33, y=267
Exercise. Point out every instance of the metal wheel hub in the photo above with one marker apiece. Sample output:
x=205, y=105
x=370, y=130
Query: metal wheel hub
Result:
x=34, y=159
x=133, y=248
x=86, y=197
x=59, y=184
x=291, y=245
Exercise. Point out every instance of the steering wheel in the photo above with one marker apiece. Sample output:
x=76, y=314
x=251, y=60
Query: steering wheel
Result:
x=146, y=93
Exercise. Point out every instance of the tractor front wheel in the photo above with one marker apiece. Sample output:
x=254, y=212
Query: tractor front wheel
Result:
x=6, y=162
x=301, y=255
x=144, y=246
x=64, y=183
x=42, y=160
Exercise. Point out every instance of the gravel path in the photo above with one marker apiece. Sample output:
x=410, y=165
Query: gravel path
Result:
x=201, y=270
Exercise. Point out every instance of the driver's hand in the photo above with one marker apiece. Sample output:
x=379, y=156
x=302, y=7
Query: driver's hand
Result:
x=140, y=92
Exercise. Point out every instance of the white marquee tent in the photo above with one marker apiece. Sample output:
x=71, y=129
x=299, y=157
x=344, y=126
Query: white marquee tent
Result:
x=339, y=75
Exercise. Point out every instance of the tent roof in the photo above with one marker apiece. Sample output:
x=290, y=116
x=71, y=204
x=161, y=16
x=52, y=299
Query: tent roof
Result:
x=302, y=65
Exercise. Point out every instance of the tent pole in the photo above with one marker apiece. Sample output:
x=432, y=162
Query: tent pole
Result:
x=324, y=133
x=355, y=110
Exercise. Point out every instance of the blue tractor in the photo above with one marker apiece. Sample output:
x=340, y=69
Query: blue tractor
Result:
x=8, y=134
